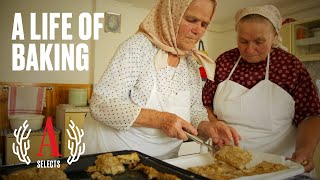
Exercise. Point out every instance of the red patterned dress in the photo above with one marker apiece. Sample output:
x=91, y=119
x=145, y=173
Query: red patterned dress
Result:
x=285, y=70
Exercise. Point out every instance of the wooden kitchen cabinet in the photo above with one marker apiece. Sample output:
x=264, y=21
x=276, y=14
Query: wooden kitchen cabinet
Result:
x=302, y=38
x=64, y=114
x=35, y=143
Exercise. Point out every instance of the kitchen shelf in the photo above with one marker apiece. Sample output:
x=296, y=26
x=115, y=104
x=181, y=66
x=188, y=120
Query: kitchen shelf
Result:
x=308, y=41
x=308, y=57
x=305, y=43
x=302, y=40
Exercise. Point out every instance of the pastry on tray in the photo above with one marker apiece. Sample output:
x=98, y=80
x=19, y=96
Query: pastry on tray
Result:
x=230, y=163
x=107, y=165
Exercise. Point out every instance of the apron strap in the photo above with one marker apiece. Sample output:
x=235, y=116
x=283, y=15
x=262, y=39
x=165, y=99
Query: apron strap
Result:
x=267, y=68
x=234, y=67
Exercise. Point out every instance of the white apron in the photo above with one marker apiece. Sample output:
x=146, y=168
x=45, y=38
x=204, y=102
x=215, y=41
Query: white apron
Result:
x=262, y=115
x=102, y=138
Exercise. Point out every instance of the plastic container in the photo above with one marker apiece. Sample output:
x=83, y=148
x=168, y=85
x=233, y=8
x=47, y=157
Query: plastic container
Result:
x=301, y=32
x=34, y=120
x=77, y=97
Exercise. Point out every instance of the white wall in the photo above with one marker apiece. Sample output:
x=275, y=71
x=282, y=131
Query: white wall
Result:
x=220, y=42
x=106, y=46
x=101, y=51
x=7, y=10
x=307, y=14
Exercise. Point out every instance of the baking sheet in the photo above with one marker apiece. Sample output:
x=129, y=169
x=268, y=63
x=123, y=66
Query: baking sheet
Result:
x=77, y=170
x=185, y=162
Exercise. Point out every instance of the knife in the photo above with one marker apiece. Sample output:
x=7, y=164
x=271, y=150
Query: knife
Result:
x=198, y=140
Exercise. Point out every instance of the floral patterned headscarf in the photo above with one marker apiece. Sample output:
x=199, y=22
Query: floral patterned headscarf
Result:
x=161, y=26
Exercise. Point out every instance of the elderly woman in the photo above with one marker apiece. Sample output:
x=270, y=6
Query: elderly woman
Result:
x=264, y=92
x=151, y=90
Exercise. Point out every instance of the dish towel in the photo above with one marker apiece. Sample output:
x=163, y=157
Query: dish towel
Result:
x=26, y=100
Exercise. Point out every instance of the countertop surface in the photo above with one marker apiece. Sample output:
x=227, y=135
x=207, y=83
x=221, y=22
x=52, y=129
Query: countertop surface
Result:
x=71, y=108
x=9, y=132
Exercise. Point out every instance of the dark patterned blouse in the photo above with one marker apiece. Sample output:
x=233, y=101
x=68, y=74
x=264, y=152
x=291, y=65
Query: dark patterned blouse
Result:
x=285, y=70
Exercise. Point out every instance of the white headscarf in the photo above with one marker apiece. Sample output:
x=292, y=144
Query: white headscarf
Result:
x=268, y=11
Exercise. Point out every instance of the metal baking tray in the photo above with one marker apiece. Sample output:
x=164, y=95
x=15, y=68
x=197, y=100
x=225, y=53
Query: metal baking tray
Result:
x=77, y=170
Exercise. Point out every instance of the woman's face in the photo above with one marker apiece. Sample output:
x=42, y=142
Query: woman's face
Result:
x=255, y=39
x=194, y=23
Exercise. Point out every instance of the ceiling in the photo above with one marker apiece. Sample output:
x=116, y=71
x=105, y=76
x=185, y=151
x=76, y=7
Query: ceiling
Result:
x=225, y=12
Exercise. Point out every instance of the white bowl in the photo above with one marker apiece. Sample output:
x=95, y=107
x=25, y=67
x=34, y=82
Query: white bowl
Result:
x=34, y=120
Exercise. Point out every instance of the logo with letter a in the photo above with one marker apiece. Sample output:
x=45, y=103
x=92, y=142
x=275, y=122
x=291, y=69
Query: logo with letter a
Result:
x=23, y=144
x=53, y=144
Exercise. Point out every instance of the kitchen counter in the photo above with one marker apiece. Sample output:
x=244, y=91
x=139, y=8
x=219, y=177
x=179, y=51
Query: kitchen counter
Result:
x=35, y=138
x=70, y=108
x=65, y=114
x=9, y=132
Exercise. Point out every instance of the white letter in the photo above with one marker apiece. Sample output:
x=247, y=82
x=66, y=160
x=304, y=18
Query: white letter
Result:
x=66, y=56
x=53, y=24
x=33, y=26
x=57, y=57
x=44, y=26
x=85, y=26
x=32, y=59
x=45, y=57
x=84, y=57
x=17, y=29
x=65, y=26
x=97, y=25
x=58, y=164
x=17, y=54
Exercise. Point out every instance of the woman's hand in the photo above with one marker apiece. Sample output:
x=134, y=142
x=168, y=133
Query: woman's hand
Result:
x=308, y=136
x=174, y=126
x=226, y=133
x=171, y=124
x=304, y=156
x=220, y=133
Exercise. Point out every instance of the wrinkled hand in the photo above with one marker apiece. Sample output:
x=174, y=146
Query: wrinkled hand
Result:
x=220, y=133
x=173, y=126
x=304, y=156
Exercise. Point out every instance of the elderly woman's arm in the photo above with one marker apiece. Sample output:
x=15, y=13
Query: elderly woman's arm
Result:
x=202, y=119
x=110, y=102
x=308, y=137
x=307, y=117
x=171, y=124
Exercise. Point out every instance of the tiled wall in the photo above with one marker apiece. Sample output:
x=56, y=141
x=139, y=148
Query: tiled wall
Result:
x=313, y=68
